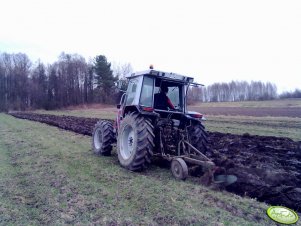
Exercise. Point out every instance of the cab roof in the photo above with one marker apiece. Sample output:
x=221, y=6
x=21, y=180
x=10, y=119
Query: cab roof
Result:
x=163, y=75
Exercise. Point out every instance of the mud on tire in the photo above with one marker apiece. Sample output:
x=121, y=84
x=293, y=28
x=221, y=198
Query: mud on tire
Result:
x=102, y=138
x=135, y=142
x=198, y=136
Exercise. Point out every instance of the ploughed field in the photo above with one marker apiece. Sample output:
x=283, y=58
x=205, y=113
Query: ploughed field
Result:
x=268, y=168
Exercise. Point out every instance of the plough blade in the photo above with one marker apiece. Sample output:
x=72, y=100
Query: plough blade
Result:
x=225, y=179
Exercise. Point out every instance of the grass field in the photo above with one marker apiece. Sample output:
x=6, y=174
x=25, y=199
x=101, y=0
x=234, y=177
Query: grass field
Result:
x=284, y=103
x=50, y=176
x=264, y=126
x=105, y=113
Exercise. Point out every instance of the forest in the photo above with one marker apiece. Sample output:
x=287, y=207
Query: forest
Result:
x=73, y=80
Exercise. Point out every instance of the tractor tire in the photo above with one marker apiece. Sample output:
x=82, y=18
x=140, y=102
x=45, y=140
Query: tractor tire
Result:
x=135, y=142
x=198, y=137
x=102, y=138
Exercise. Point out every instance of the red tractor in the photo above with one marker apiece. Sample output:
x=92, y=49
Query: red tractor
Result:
x=153, y=121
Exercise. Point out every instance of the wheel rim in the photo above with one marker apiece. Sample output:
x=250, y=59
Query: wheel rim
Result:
x=127, y=142
x=177, y=169
x=97, y=138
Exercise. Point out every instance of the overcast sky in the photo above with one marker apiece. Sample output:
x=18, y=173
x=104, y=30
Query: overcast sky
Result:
x=214, y=41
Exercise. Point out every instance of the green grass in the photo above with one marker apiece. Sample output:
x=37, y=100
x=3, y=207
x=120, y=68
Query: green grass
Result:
x=265, y=126
x=285, y=103
x=105, y=113
x=50, y=176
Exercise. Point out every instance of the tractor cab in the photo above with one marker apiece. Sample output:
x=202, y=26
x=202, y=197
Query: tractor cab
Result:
x=156, y=92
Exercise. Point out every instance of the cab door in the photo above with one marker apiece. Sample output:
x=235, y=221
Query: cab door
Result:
x=120, y=111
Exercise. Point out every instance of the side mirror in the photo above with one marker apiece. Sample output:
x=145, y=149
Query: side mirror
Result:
x=118, y=106
x=118, y=84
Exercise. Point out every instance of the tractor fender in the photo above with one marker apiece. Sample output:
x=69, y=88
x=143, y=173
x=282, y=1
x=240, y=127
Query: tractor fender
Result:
x=137, y=109
x=131, y=108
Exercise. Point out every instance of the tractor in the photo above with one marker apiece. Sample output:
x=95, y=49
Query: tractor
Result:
x=153, y=121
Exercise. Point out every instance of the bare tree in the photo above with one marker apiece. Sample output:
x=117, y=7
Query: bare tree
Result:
x=239, y=91
x=38, y=87
x=121, y=70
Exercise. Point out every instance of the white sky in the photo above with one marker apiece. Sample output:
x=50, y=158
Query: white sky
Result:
x=214, y=41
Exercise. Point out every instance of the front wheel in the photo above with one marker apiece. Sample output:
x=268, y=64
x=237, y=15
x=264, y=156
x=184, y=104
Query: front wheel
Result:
x=135, y=142
x=102, y=138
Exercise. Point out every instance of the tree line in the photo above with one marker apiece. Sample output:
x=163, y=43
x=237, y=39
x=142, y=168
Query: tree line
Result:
x=293, y=94
x=234, y=91
x=71, y=80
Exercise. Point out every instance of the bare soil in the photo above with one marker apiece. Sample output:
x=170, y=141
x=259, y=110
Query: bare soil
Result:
x=251, y=111
x=268, y=168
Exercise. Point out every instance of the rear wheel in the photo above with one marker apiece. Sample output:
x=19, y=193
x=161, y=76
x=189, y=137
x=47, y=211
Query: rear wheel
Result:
x=135, y=142
x=102, y=138
x=198, y=137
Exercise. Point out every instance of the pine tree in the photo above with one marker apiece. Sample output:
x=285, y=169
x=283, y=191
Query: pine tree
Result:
x=104, y=78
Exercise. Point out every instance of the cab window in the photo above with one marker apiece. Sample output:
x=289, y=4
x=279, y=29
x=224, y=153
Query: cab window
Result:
x=173, y=95
x=131, y=91
x=146, y=98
